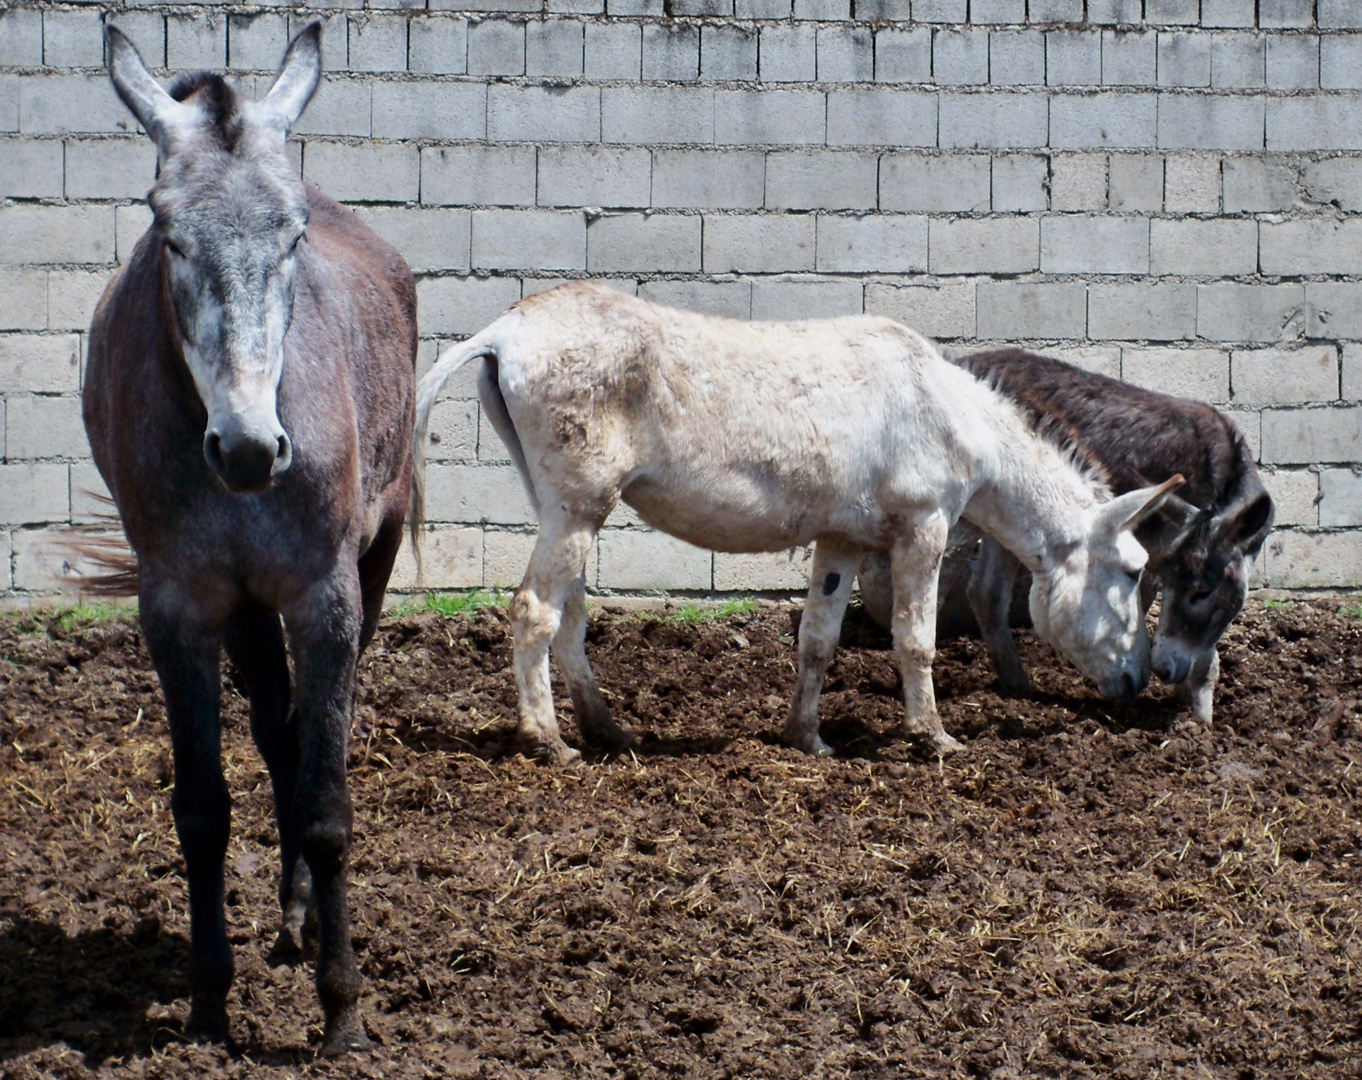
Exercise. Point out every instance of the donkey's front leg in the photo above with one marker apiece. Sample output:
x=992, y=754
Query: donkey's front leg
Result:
x=186, y=659
x=916, y=560
x=990, y=597
x=325, y=629
x=819, y=627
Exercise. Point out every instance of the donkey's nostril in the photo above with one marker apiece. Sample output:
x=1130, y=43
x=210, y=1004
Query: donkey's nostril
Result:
x=1130, y=688
x=283, y=456
x=212, y=451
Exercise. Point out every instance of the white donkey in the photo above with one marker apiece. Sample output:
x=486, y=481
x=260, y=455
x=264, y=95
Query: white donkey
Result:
x=850, y=434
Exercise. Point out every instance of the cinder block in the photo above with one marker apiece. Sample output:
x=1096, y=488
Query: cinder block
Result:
x=777, y=571
x=30, y=168
x=1013, y=310
x=463, y=305
x=960, y=57
x=31, y=494
x=646, y=114
x=1114, y=12
x=984, y=245
x=1191, y=184
x=1340, y=498
x=1315, y=122
x=1020, y=183
x=109, y=168
x=56, y=234
x=9, y=103
x=903, y=55
x=770, y=117
x=719, y=8
x=846, y=54
x=496, y=47
x=1101, y=360
x=758, y=243
x=1200, y=374
x=1016, y=58
x=944, y=310
x=1125, y=121
x=805, y=299
x=21, y=37
x=1073, y=58
x=998, y=120
x=1142, y=312
x=576, y=7
x=1339, y=15
x=257, y=42
x=1094, y=245
x=1238, y=61
x=1129, y=57
x=463, y=384
x=671, y=52
x=44, y=427
x=1312, y=246
x=1266, y=313
x=1330, y=435
x=997, y=11
x=732, y=299
x=822, y=10
x=466, y=494
x=639, y=559
x=1046, y=11
x=67, y=104
x=1078, y=181
x=939, y=11
x=1172, y=12
x=1256, y=184
x=506, y=557
x=1295, y=496
x=1224, y=247
x=1136, y=182
x=478, y=175
x=821, y=180
x=196, y=41
x=728, y=53
x=1210, y=122
x=543, y=113
x=1285, y=376
x=73, y=38
x=881, y=117
x=655, y=243
x=453, y=431
x=1333, y=309
x=788, y=53
x=367, y=172
x=1184, y=59
x=339, y=107
x=438, y=45
x=429, y=239
x=89, y=494
x=451, y=558
x=610, y=176
x=708, y=179
x=71, y=298
x=429, y=110
x=1227, y=13
x=1340, y=61
x=762, y=9
x=1336, y=181
x=1352, y=371
x=554, y=47
x=872, y=243
x=613, y=51
x=934, y=182
x=1286, y=13
x=630, y=7
x=1293, y=61
x=130, y=225
x=529, y=240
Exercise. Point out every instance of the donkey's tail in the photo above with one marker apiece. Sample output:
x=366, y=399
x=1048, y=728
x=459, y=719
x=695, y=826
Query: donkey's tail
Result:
x=477, y=347
x=99, y=545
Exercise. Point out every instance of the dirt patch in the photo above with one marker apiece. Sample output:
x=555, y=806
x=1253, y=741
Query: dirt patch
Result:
x=1087, y=889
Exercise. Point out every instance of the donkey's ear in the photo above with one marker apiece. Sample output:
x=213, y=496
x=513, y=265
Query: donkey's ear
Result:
x=1177, y=510
x=155, y=110
x=1245, y=524
x=1128, y=510
x=297, y=79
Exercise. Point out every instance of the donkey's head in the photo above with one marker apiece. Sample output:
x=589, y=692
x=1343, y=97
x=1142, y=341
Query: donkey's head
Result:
x=1203, y=576
x=1087, y=603
x=229, y=214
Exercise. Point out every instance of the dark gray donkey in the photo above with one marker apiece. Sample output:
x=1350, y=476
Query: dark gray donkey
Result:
x=1200, y=548
x=249, y=399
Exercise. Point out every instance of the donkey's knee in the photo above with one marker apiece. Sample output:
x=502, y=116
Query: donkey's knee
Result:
x=203, y=821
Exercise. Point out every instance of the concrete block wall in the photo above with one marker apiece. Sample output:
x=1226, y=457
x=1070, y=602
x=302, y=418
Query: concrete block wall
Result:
x=1169, y=191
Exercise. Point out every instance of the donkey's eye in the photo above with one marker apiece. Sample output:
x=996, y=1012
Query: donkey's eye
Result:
x=175, y=249
x=1201, y=597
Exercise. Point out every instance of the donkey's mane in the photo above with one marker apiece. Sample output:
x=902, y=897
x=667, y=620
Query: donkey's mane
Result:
x=220, y=102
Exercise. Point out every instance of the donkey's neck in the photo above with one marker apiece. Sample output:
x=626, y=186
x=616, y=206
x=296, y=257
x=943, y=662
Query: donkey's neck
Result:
x=1035, y=499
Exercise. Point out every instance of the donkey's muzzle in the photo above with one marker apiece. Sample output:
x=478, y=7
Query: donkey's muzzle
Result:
x=246, y=454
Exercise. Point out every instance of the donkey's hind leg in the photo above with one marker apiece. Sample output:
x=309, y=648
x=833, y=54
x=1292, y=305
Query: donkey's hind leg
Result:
x=990, y=595
x=536, y=616
x=830, y=580
x=569, y=651
x=255, y=644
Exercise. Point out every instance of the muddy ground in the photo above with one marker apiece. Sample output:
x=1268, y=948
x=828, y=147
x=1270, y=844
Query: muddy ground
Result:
x=1086, y=890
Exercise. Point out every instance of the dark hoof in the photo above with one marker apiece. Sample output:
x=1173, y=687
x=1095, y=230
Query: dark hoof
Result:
x=208, y=1023
x=288, y=949
x=611, y=740
x=344, y=1035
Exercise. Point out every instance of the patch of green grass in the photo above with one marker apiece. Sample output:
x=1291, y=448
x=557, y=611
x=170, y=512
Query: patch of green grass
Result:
x=455, y=603
x=695, y=613
x=69, y=617
x=1278, y=605
x=1351, y=612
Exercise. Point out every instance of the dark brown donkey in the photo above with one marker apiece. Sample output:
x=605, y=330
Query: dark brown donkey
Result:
x=1200, y=547
x=248, y=399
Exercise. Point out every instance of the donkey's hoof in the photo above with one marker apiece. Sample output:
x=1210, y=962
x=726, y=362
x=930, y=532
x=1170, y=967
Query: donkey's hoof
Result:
x=554, y=753
x=1017, y=685
x=945, y=744
x=208, y=1022
x=345, y=1034
x=819, y=749
x=287, y=949
x=610, y=738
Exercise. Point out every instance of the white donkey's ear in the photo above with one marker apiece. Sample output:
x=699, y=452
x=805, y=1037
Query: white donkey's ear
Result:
x=1128, y=510
x=297, y=80
x=158, y=112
